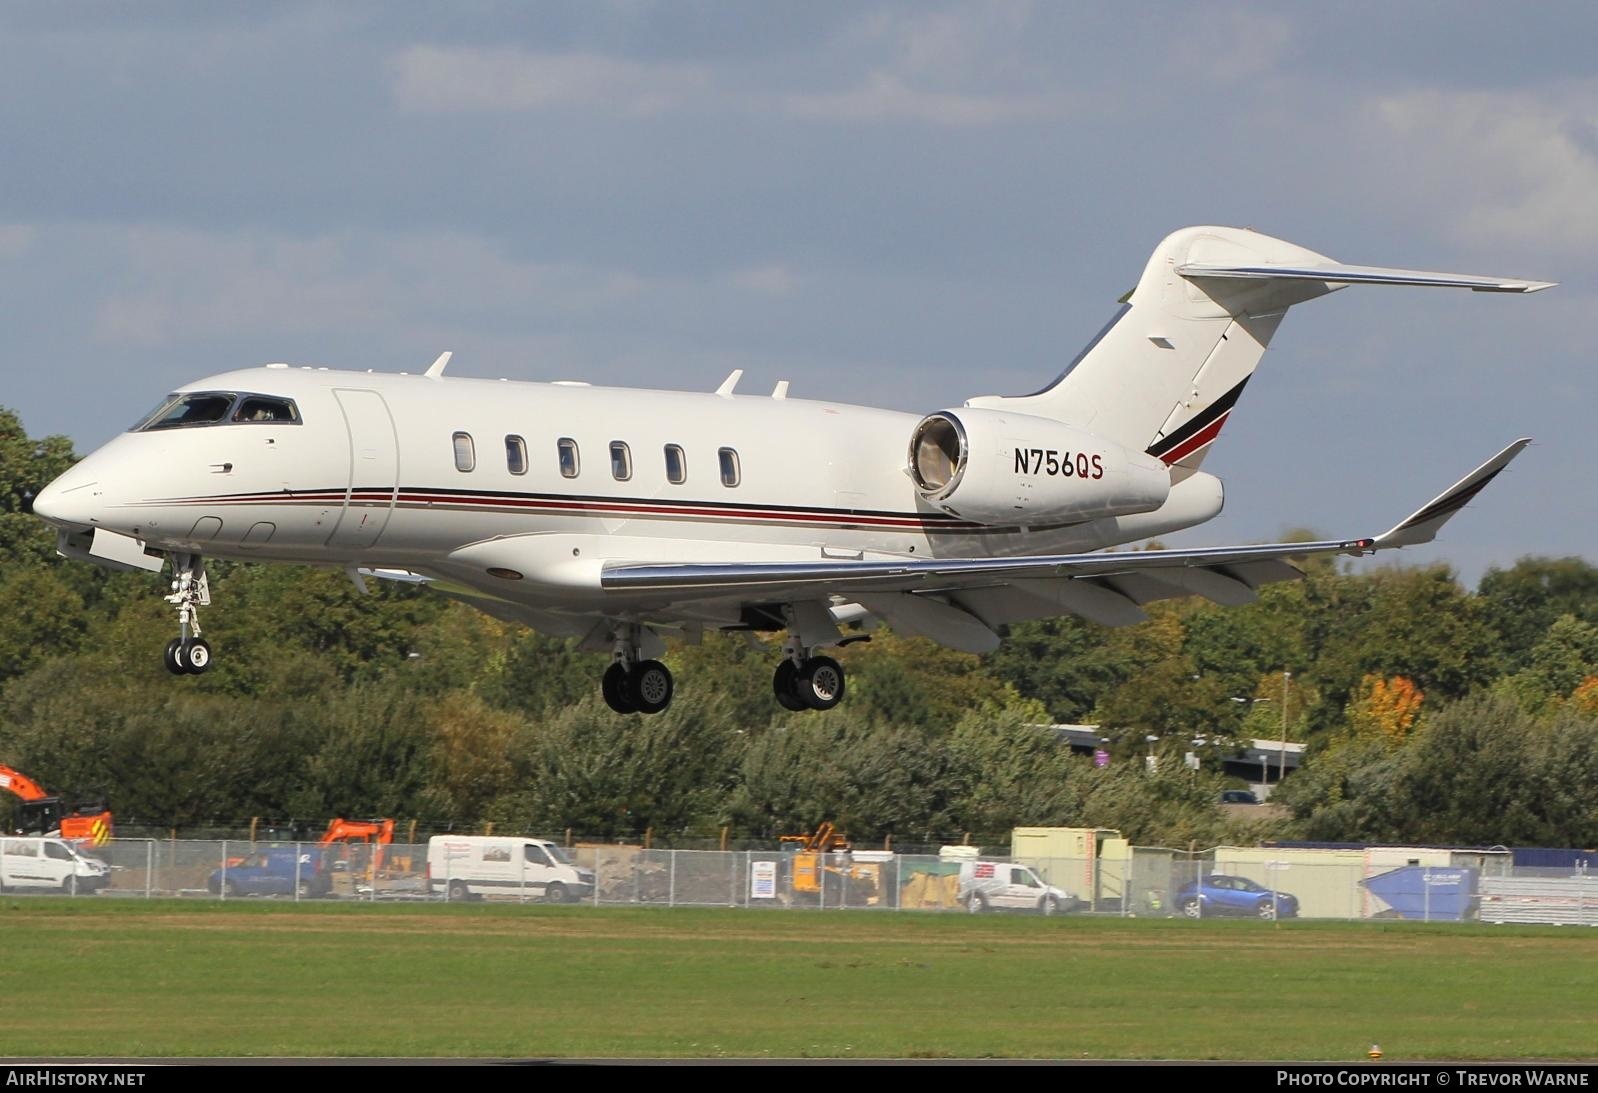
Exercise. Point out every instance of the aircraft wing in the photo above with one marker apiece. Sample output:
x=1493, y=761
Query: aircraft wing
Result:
x=960, y=601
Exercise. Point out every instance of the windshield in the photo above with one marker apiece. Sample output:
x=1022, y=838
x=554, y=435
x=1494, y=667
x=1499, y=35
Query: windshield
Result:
x=185, y=409
x=200, y=408
x=559, y=854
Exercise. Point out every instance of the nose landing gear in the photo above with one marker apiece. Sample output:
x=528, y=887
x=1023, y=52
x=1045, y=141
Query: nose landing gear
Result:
x=188, y=653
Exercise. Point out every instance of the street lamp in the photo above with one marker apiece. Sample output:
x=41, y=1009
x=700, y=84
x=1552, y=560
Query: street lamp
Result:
x=1281, y=769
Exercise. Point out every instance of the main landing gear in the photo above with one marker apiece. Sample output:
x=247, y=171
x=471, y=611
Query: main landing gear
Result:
x=188, y=653
x=806, y=682
x=631, y=685
x=803, y=680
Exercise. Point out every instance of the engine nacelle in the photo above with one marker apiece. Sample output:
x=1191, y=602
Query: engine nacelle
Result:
x=1002, y=468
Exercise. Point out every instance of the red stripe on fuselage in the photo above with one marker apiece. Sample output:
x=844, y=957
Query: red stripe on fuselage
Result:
x=1198, y=440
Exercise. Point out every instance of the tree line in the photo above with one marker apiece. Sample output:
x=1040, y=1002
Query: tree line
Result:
x=1433, y=713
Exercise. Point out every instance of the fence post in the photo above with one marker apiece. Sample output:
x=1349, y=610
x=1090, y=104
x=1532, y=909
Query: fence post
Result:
x=221, y=888
x=671, y=878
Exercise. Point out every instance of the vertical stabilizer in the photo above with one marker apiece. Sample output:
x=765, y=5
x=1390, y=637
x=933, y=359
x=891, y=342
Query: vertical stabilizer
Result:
x=1164, y=375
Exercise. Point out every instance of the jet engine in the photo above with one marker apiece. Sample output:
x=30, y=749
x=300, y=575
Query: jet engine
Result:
x=1000, y=468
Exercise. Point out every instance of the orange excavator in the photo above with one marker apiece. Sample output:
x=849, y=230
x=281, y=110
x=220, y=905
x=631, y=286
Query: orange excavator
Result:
x=375, y=834
x=87, y=823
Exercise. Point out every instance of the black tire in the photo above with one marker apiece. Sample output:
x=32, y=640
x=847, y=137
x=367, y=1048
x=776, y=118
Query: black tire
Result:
x=821, y=683
x=456, y=892
x=304, y=890
x=1192, y=907
x=230, y=890
x=651, y=686
x=171, y=655
x=195, y=655
x=69, y=886
x=555, y=892
x=977, y=903
x=1049, y=906
x=616, y=686
x=1266, y=909
x=785, y=685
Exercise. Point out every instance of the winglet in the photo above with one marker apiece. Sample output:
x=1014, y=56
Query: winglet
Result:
x=436, y=369
x=1421, y=527
x=730, y=382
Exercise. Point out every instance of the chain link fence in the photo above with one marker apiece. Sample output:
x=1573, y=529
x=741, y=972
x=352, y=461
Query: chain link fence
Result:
x=1226, y=882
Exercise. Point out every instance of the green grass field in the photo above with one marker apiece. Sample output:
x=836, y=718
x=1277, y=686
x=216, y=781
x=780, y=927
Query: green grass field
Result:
x=97, y=977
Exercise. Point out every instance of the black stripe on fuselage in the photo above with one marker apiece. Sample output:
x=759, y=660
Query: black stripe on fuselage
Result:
x=1199, y=422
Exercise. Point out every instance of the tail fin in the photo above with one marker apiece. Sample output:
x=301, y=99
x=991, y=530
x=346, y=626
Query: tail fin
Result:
x=1164, y=376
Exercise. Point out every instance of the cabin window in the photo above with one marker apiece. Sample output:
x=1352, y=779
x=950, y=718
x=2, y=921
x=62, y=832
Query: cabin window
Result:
x=621, y=461
x=259, y=408
x=676, y=465
x=570, y=464
x=730, y=473
x=465, y=452
x=197, y=408
x=515, y=455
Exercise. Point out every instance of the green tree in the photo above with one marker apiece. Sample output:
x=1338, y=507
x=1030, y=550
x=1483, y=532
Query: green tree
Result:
x=1521, y=603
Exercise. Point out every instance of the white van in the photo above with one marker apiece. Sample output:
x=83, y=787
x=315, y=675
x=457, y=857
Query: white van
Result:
x=1006, y=886
x=49, y=865
x=473, y=866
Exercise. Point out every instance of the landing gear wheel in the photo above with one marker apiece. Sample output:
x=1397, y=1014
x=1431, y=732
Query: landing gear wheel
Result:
x=820, y=683
x=616, y=686
x=170, y=657
x=651, y=686
x=194, y=655
x=786, y=686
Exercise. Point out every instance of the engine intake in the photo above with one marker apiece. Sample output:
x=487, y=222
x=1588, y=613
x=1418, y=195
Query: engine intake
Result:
x=996, y=467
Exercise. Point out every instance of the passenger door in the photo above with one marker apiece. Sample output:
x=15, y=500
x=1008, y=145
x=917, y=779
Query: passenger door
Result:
x=373, y=469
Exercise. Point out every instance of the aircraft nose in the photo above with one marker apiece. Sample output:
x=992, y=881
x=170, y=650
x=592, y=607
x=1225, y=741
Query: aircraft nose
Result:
x=71, y=501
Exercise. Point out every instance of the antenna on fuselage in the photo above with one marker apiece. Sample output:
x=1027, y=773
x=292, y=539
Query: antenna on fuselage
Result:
x=436, y=369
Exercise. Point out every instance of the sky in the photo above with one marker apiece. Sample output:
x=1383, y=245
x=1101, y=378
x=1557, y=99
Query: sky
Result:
x=898, y=204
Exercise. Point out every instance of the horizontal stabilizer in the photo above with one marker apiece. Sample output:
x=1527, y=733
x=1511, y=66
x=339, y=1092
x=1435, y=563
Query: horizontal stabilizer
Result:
x=1421, y=527
x=1334, y=273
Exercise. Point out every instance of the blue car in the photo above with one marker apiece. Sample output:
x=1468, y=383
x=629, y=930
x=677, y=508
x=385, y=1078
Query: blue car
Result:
x=276, y=872
x=1219, y=894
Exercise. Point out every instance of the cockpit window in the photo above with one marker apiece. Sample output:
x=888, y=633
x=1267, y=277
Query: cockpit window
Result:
x=185, y=409
x=198, y=408
x=261, y=408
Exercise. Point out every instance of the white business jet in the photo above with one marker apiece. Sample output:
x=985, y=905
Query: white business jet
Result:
x=621, y=517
